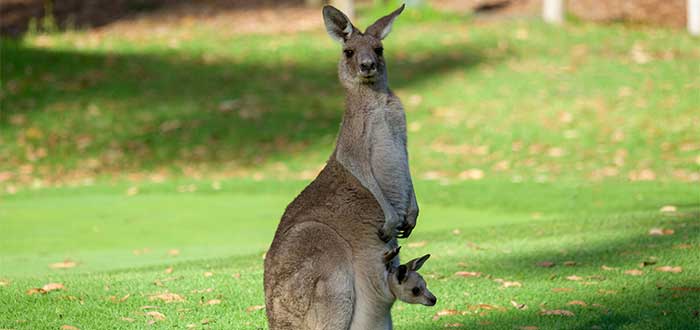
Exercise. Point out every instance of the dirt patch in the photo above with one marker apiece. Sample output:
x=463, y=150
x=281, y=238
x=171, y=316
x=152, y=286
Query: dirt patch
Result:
x=17, y=14
x=655, y=12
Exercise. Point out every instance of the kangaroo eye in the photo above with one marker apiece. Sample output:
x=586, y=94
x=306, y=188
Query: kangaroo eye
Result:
x=348, y=53
x=415, y=291
x=379, y=51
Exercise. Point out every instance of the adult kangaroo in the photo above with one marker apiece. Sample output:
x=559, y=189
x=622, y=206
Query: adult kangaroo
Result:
x=324, y=269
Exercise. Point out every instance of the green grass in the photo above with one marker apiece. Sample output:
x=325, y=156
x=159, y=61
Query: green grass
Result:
x=117, y=148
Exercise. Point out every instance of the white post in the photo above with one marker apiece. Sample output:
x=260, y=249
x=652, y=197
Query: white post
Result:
x=346, y=6
x=553, y=11
x=694, y=17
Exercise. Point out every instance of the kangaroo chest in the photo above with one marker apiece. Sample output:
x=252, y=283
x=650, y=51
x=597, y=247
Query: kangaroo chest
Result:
x=388, y=156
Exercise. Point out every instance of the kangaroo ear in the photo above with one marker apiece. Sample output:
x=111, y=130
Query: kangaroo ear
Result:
x=390, y=255
x=338, y=25
x=416, y=264
x=401, y=273
x=381, y=28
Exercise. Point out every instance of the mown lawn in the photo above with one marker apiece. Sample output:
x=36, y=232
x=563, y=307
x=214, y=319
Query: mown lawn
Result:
x=146, y=172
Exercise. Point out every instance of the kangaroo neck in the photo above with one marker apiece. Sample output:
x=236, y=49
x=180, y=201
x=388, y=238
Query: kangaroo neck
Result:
x=362, y=98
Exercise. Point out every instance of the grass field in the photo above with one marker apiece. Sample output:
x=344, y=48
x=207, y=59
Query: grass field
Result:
x=146, y=171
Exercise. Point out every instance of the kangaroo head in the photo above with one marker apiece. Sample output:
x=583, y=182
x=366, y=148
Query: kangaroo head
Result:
x=409, y=286
x=362, y=61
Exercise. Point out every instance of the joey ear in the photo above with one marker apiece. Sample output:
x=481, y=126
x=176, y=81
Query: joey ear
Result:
x=417, y=263
x=381, y=28
x=401, y=273
x=337, y=24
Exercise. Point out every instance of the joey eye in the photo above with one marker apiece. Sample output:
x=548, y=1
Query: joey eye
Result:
x=416, y=291
x=379, y=51
x=348, y=53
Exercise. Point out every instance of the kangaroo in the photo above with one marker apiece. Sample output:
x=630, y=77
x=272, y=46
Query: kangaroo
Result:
x=323, y=268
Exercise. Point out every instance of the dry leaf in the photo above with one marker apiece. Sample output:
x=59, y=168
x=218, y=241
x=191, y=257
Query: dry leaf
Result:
x=63, y=265
x=604, y=267
x=206, y=321
x=127, y=319
x=660, y=232
x=208, y=274
x=254, y=308
x=4, y=282
x=577, y=302
x=569, y=263
x=454, y=325
x=213, y=302
x=236, y=275
x=574, y=278
x=685, y=288
x=683, y=246
x=167, y=297
x=156, y=315
x=174, y=252
x=69, y=327
x=562, y=312
x=148, y=307
x=562, y=289
x=634, y=272
x=669, y=269
x=517, y=305
x=445, y=312
x=417, y=244
x=668, y=209
x=507, y=284
x=132, y=191
x=468, y=274
x=169, y=270
x=545, y=264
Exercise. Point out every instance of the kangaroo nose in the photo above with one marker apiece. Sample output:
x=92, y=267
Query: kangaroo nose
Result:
x=367, y=66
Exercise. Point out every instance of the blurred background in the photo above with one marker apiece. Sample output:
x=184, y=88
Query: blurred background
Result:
x=160, y=88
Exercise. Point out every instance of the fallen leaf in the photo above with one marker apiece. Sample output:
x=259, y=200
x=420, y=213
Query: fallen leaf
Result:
x=518, y=305
x=454, y=325
x=236, y=275
x=669, y=269
x=545, y=264
x=156, y=315
x=668, y=209
x=562, y=312
x=206, y=321
x=213, y=302
x=685, y=288
x=604, y=267
x=445, y=312
x=417, y=244
x=574, y=278
x=68, y=327
x=254, y=308
x=148, y=307
x=4, y=282
x=577, y=302
x=127, y=319
x=132, y=191
x=35, y=291
x=63, y=265
x=660, y=232
x=683, y=246
x=174, y=252
x=569, y=263
x=468, y=274
x=169, y=270
x=562, y=289
x=167, y=297
x=208, y=274
x=634, y=272
x=508, y=284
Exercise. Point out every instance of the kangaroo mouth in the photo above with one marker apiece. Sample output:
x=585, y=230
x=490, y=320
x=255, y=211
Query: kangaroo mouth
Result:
x=368, y=77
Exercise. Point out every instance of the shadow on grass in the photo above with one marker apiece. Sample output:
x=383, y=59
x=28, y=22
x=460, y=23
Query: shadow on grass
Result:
x=133, y=110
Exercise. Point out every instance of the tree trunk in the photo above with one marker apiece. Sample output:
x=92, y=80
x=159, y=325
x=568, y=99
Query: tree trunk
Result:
x=346, y=6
